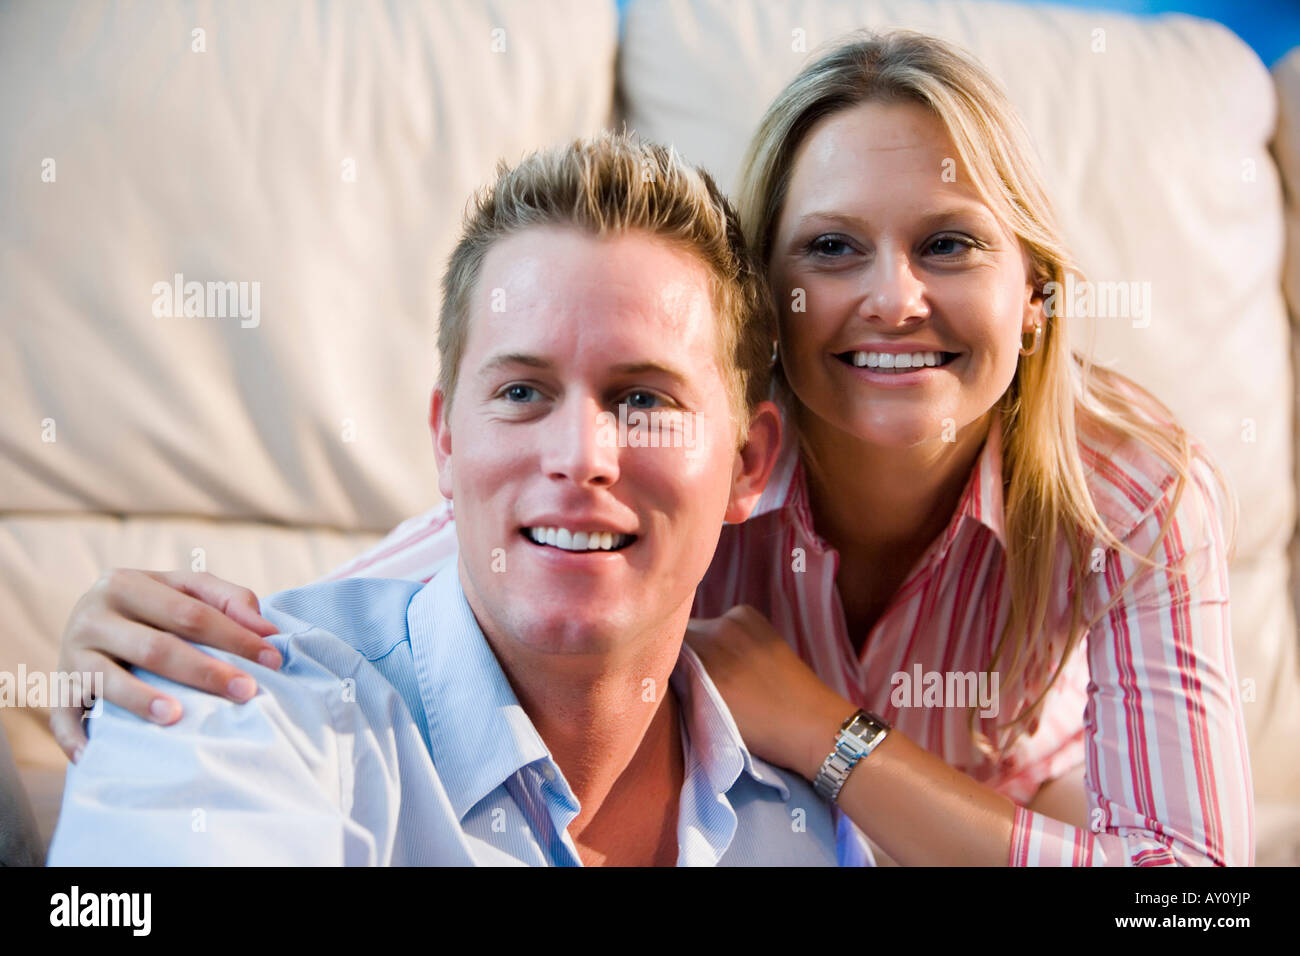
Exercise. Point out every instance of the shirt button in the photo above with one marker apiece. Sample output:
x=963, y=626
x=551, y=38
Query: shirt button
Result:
x=548, y=771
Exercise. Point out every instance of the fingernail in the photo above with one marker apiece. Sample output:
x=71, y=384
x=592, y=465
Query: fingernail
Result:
x=76, y=754
x=270, y=658
x=241, y=688
x=162, y=710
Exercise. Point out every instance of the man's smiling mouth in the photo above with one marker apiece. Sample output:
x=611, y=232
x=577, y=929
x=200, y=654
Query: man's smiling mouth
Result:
x=568, y=540
x=896, y=362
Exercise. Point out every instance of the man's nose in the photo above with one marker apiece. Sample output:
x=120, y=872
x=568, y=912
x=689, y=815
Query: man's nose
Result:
x=893, y=294
x=581, y=446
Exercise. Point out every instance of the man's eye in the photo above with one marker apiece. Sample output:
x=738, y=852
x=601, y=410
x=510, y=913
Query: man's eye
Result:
x=831, y=247
x=518, y=394
x=641, y=399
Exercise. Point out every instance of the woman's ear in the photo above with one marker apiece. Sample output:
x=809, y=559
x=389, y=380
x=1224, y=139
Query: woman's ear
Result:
x=1035, y=304
x=441, y=430
x=754, y=462
x=1033, y=310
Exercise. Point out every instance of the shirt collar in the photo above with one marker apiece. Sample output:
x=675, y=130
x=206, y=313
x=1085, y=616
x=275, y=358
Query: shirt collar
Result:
x=479, y=734
x=716, y=746
x=981, y=500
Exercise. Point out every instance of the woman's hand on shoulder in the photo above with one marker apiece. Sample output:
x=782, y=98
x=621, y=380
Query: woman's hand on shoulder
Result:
x=151, y=619
x=785, y=713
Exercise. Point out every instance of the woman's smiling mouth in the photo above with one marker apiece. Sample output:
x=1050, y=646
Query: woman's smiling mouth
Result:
x=896, y=362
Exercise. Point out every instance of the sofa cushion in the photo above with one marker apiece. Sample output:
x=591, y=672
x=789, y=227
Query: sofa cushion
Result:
x=307, y=162
x=47, y=561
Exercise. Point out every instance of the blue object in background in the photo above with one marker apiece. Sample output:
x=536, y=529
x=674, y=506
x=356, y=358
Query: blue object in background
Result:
x=1270, y=27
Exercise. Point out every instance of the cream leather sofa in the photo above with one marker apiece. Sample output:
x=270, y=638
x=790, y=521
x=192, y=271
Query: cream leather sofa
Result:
x=325, y=150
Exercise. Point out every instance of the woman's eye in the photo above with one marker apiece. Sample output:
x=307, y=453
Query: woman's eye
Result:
x=949, y=245
x=830, y=246
x=641, y=399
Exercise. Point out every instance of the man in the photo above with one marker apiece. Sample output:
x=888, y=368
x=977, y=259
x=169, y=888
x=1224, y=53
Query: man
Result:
x=533, y=703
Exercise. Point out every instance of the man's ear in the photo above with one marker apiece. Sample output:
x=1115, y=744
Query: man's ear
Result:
x=754, y=462
x=441, y=430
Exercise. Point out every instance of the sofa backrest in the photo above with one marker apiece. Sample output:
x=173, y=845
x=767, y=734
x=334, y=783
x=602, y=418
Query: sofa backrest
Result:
x=311, y=160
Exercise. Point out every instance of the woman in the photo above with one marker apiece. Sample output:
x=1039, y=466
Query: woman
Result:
x=1014, y=559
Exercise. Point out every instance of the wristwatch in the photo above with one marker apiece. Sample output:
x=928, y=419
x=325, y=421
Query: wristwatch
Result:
x=858, y=736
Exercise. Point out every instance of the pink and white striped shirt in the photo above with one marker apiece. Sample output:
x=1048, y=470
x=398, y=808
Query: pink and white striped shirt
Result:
x=1148, y=703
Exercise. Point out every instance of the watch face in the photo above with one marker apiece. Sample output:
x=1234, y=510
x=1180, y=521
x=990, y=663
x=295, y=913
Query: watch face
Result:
x=864, y=727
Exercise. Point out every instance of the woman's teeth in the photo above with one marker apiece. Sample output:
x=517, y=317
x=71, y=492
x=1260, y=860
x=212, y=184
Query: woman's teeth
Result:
x=898, y=360
x=568, y=540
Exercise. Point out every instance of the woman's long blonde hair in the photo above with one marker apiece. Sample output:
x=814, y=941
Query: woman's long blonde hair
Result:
x=1056, y=394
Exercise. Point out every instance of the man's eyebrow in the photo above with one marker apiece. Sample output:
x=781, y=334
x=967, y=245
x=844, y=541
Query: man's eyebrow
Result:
x=650, y=368
x=513, y=358
x=508, y=359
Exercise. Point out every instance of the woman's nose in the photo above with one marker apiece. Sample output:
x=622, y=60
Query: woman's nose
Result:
x=893, y=294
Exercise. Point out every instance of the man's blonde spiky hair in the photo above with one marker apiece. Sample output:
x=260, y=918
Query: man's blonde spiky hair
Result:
x=611, y=184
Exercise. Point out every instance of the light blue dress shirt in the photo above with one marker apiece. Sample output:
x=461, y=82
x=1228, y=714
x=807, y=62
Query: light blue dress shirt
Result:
x=391, y=736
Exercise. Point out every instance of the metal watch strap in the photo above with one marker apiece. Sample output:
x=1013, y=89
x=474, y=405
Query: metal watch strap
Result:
x=858, y=736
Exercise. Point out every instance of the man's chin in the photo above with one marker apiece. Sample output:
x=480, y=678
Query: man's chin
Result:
x=573, y=632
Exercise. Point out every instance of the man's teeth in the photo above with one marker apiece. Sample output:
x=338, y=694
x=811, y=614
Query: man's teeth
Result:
x=897, y=359
x=578, y=540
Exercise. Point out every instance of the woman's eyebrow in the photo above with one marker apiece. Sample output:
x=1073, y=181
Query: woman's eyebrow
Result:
x=927, y=220
x=838, y=217
x=965, y=211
